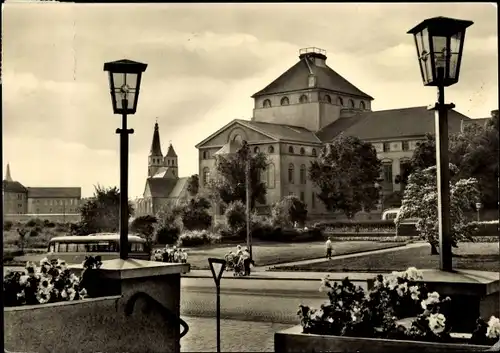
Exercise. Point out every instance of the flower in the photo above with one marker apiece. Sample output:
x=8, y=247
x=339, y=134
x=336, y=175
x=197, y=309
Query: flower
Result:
x=23, y=280
x=432, y=298
x=325, y=285
x=82, y=293
x=71, y=293
x=415, y=293
x=493, y=330
x=317, y=315
x=402, y=289
x=43, y=296
x=355, y=313
x=44, y=261
x=437, y=323
x=413, y=274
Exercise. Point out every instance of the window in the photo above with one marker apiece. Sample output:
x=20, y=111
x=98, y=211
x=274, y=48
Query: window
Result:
x=137, y=247
x=387, y=146
x=285, y=101
x=313, y=152
x=406, y=146
x=206, y=176
x=302, y=151
x=302, y=197
x=256, y=150
x=205, y=154
x=237, y=138
x=290, y=174
x=270, y=176
x=266, y=103
x=290, y=149
x=303, y=99
x=72, y=248
x=387, y=169
x=340, y=101
x=270, y=149
x=52, y=247
x=327, y=98
x=303, y=174
x=313, y=200
x=351, y=104
x=362, y=105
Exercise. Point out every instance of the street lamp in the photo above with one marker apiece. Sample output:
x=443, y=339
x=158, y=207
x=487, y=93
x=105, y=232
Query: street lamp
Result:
x=124, y=84
x=440, y=42
x=231, y=148
x=217, y=267
x=479, y=205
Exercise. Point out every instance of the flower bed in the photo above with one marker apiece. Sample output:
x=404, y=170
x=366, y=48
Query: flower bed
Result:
x=377, y=313
x=50, y=282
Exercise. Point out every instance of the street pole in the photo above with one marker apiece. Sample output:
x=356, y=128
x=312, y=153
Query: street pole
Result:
x=443, y=178
x=217, y=286
x=124, y=132
x=248, y=186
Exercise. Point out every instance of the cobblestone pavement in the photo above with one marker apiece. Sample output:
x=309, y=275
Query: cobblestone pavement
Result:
x=236, y=336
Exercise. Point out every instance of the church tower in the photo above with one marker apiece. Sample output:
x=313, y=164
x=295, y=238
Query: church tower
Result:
x=170, y=161
x=7, y=173
x=155, y=159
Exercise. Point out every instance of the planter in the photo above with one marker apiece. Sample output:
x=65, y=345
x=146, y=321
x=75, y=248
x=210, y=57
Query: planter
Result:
x=293, y=340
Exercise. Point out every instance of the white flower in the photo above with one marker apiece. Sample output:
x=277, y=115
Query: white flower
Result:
x=355, y=313
x=61, y=264
x=44, y=261
x=316, y=315
x=64, y=294
x=413, y=274
x=402, y=289
x=43, y=296
x=330, y=320
x=71, y=293
x=82, y=293
x=23, y=279
x=437, y=323
x=493, y=330
x=415, y=293
x=20, y=295
x=432, y=298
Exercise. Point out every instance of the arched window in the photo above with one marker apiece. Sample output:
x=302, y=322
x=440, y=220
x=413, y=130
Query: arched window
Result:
x=327, y=98
x=340, y=101
x=291, y=170
x=256, y=150
x=285, y=101
x=270, y=149
x=206, y=176
x=290, y=149
x=362, y=105
x=303, y=174
x=313, y=152
x=302, y=151
x=303, y=99
x=270, y=176
x=266, y=103
x=237, y=138
x=351, y=103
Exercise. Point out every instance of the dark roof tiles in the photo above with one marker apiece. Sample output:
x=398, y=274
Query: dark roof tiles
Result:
x=13, y=186
x=55, y=192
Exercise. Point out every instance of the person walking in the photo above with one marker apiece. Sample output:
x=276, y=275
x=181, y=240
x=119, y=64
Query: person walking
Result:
x=246, y=261
x=329, y=248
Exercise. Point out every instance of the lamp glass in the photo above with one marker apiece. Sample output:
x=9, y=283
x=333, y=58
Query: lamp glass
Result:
x=125, y=87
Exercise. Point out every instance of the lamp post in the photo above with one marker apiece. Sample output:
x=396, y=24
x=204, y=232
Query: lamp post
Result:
x=217, y=267
x=440, y=42
x=479, y=205
x=124, y=84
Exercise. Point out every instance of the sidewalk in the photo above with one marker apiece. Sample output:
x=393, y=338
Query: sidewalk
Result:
x=262, y=272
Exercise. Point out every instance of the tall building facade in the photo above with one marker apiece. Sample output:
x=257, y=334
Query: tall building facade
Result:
x=163, y=187
x=303, y=109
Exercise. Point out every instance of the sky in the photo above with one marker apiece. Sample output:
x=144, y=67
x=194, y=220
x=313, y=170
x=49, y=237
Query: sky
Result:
x=204, y=63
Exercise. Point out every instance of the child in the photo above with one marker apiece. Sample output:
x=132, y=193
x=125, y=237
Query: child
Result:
x=329, y=248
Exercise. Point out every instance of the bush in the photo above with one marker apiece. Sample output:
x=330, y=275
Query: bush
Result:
x=167, y=234
x=7, y=225
x=33, y=233
x=195, y=215
x=486, y=229
x=236, y=216
x=197, y=238
x=288, y=211
x=48, y=224
x=266, y=232
x=33, y=222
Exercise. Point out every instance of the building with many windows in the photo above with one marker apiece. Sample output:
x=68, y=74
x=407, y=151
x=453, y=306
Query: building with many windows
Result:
x=306, y=107
x=21, y=200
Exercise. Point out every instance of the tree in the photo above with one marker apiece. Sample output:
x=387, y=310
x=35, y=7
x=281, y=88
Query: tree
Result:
x=168, y=225
x=145, y=225
x=102, y=212
x=236, y=216
x=194, y=214
x=193, y=185
x=289, y=210
x=346, y=173
x=420, y=202
x=230, y=183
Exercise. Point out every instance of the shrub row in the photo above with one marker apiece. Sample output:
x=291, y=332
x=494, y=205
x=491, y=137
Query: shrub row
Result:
x=486, y=229
x=277, y=234
x=197, y=238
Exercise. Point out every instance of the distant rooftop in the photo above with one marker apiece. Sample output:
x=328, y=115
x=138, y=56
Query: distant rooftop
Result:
x=310, y=50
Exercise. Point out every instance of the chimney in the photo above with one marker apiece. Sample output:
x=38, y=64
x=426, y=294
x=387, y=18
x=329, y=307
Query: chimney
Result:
x=316, y=56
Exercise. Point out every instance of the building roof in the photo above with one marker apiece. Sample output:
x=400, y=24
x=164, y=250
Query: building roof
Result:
x=160, y=187
x=171, y=152
x=180, y=188
x=56, y=192
x=296, y=78
x=155, y=144
x=13, y=186
x=284, y=132
x=404, y=122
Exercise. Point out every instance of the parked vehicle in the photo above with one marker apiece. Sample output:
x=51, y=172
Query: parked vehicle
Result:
x=392, y=213
x=73, y=249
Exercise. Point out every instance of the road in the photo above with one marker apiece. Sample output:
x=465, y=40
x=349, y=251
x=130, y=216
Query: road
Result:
x=251, y=311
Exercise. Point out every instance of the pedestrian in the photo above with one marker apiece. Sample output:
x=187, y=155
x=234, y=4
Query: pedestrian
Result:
x=184, y=256
x=329, y=248
x=246, y=261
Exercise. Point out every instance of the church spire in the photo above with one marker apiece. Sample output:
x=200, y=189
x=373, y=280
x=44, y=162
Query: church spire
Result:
x=155, y=144
x=7, y=173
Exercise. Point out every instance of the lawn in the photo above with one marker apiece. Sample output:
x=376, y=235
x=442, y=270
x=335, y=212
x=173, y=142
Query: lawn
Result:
x=266, y=254
x=473, y=256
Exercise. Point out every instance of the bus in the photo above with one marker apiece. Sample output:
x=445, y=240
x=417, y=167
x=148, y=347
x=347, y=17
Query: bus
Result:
x=74, y=248
x=392, y=213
